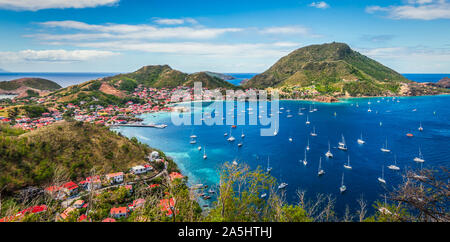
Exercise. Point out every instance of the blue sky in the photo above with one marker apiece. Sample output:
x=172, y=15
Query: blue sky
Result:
x=410, y=36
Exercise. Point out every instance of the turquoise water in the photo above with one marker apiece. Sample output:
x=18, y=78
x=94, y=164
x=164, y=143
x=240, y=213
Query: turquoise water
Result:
x=398, y=119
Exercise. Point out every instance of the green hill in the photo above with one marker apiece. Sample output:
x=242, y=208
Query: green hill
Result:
x=35, y=83
x=332, y=68
x=72, y=147
x=160, y=76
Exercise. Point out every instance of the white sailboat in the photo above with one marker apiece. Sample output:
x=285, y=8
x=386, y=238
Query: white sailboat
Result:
x=268, y=166
x=329, y=154
x=314, y=132
x=361, y=141
x=204, y=153
x=242, y=135
x=199, y=148
x=320, y=171
x=305, y=162
x=307, y=120
x=231, y=138
x=394, y=166
x=420, y=127
x=193, y=141
x=290, y=139
x=343, y=188
x=307, y=146
x=240, y=144
x=385, y=148
x=348, y=166
x=419, y=159
x=381, y=179
x=342, y=145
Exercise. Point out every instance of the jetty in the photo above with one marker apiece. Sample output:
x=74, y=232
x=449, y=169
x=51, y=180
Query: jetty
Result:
x=159, y=126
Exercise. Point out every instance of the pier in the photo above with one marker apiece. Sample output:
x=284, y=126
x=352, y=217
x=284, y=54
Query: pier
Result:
x=158, y=126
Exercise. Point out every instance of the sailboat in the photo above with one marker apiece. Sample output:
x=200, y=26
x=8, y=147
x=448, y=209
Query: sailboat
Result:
x=193, y=141
x=419, y=158
x=305, y=162
x=320, y=171
x=329, y=154
x=361, y=141
x=420, y=127
x=307, y=120
x=204, y=153
x=314, y=132
x=381, y=179
x=394, y=166
x=240, y=144
x=242, y=135
x=268, y=167
x=290, y=139
x=385, y=148
x=307, y=147
x=231, y=138
x=348, y=166
x=199, y=148
x=343, y=188
x=342, y=145
x=369, y=110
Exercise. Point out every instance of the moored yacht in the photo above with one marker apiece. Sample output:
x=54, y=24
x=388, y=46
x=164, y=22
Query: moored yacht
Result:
x=419, y=158
x=381, y=179
x=329, y=154
x=385, y=148
x=361, y=141
x=320, y=171
x=343, y=188
x=314, y=131
x=394, y=166
x=342, y=145
x=348, y=166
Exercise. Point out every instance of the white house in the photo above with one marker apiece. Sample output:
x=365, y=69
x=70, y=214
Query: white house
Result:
x=138, y=170
x=154, y=155
x=115, y=177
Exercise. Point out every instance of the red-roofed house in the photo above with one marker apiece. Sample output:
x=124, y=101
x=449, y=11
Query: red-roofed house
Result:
x=167, y=205
x=119, y=212
x=115, y=177
x=137, y=203
x=70, y=188
x=175, y=175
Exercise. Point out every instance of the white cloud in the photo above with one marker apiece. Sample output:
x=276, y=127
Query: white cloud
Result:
x=194, y=48
x=416, y=9
x=176, y=21
x=53, y=55
x=321, y=5
x=34, y=5
x=125, y=31
x=417, y=59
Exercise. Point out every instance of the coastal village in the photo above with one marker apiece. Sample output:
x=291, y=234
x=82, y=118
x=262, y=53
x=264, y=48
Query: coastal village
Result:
x=74, y=197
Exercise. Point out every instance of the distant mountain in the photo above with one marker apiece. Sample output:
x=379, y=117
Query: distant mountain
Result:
x=28, y=86
x=220, y=75
x=332, y=68
x=443, y=83
x=160, y=76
